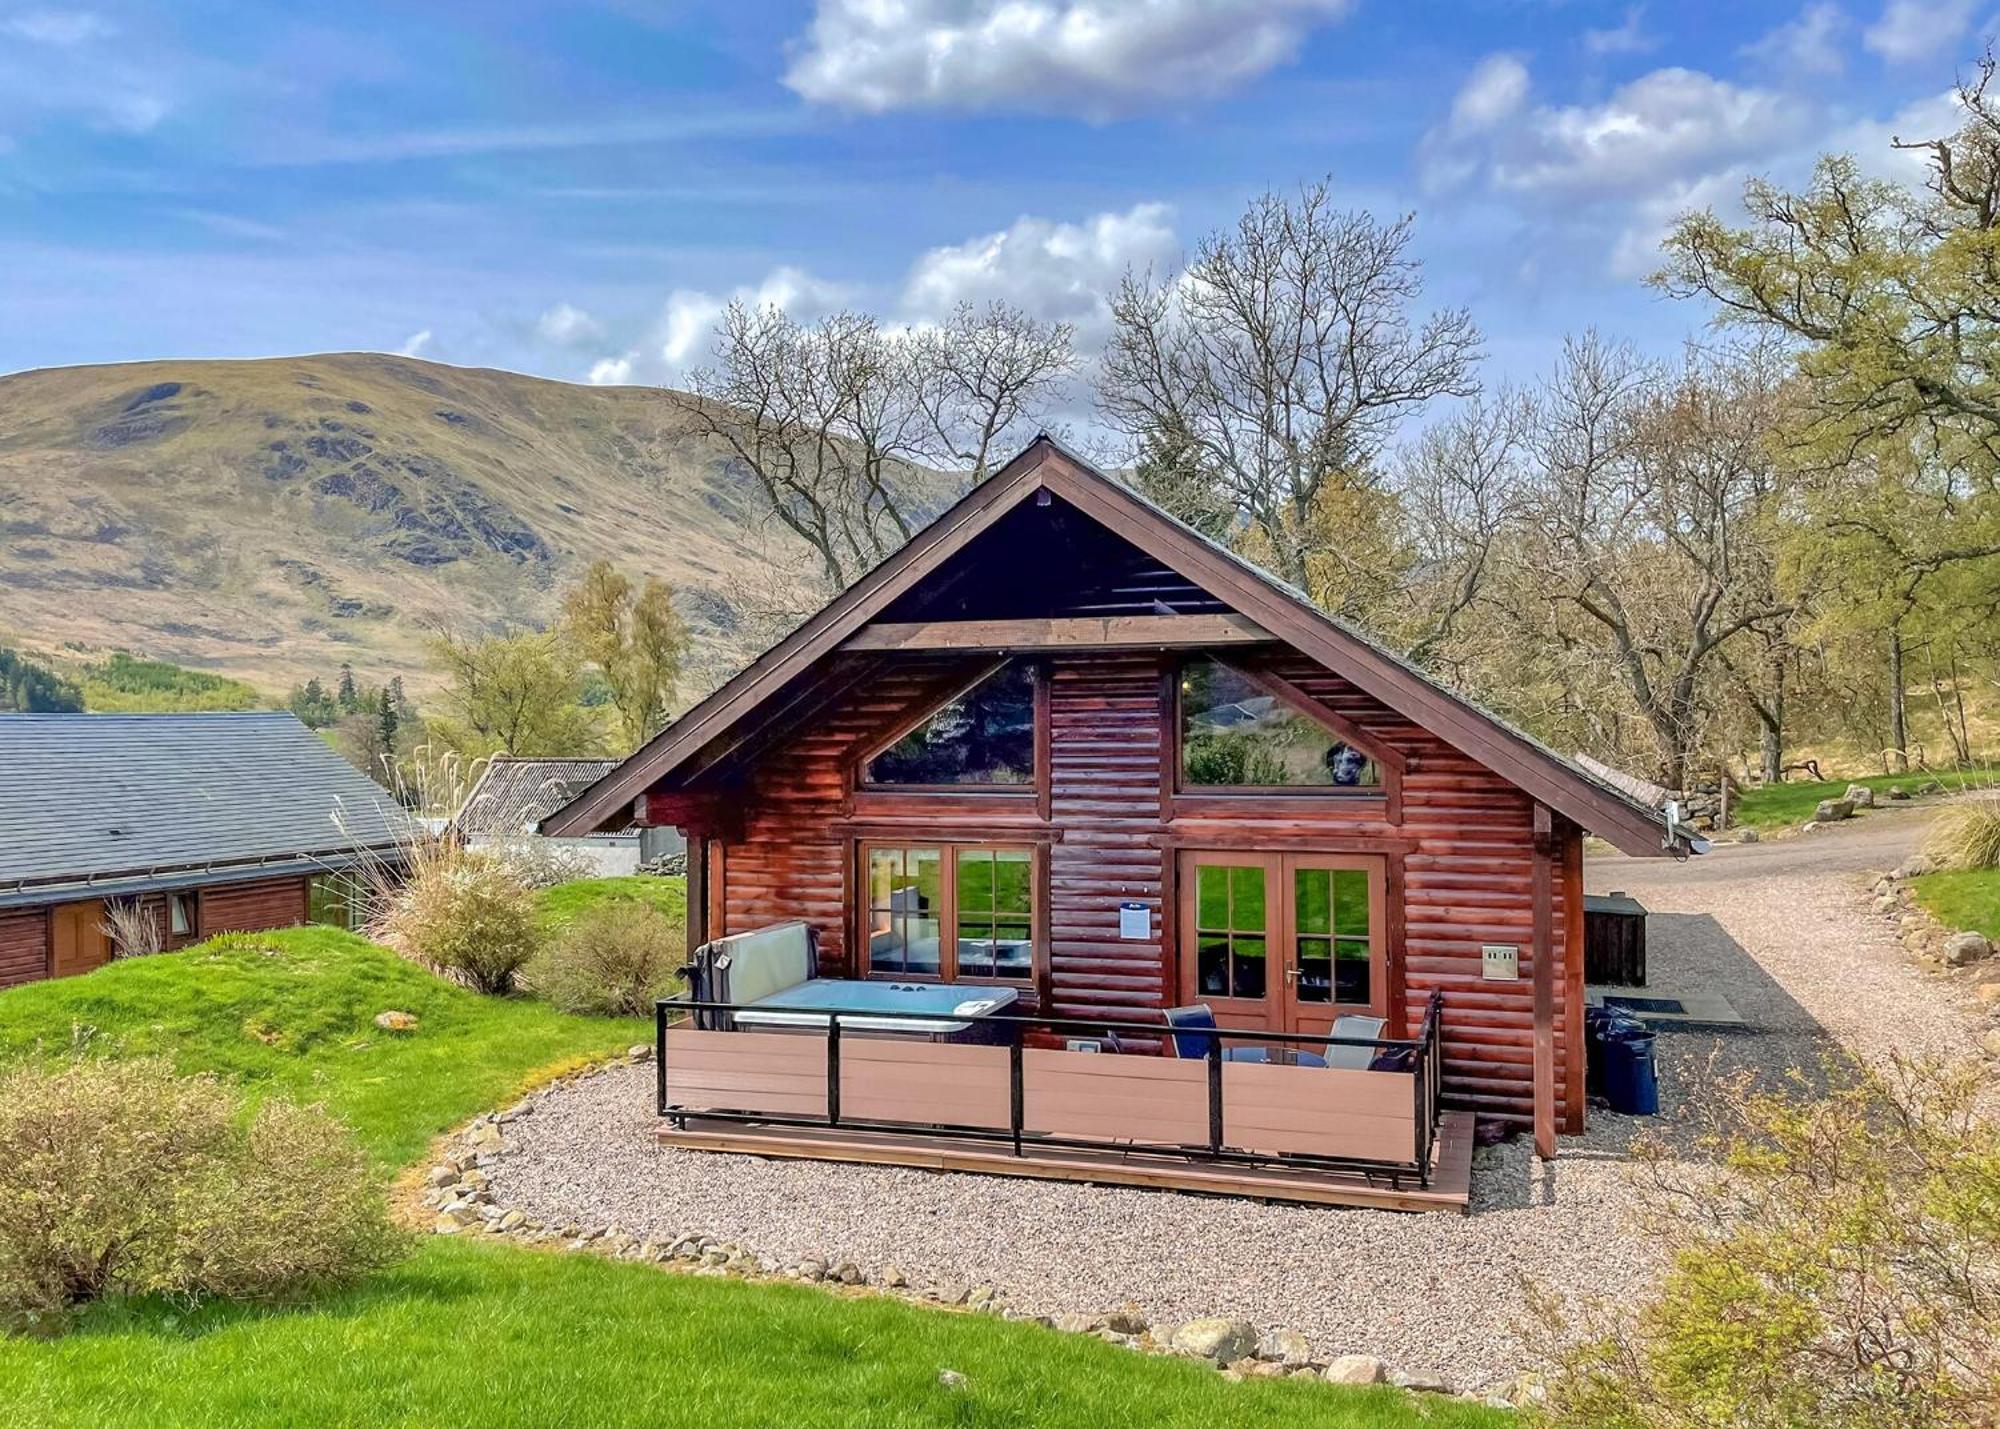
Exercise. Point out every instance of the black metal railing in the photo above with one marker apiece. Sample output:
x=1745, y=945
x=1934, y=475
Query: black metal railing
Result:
x=1425, y=1070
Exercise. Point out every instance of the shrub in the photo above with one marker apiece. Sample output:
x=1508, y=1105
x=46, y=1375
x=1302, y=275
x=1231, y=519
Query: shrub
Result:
x=464, y=913
x=1835, y=1262
x=614, y=959
x=1967, y=835
x=135, y=930
x=120, y=1178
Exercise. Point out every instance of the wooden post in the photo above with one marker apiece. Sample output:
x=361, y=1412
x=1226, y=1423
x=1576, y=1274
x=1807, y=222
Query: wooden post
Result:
x=697, y=888
x=1573, y=999
x=1545, y=984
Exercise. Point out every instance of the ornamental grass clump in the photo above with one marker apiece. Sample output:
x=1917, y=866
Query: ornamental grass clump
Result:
x=615, y=959
x=121, y=1178
x=1834, y=1262
x=463, y=913
x=1966, y=835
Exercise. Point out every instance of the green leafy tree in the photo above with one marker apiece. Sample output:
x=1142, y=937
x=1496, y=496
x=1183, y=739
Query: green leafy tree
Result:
x=311, y=703
x=29, y=688
x=512, y=694
x=1892, y=297
x=635, y=639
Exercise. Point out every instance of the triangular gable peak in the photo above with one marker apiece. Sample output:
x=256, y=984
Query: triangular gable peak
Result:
x=1050, y=554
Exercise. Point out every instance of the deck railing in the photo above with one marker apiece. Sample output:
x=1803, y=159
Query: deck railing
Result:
x=1006, y=1090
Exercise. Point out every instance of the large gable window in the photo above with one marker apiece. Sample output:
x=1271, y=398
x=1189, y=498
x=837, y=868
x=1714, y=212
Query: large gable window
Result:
x=1236, y=734
x=984, y=736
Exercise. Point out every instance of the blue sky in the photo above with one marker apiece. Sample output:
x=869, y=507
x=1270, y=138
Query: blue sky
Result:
x=572, y=189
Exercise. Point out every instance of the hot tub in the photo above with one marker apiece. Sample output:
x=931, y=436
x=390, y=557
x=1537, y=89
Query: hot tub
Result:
x=952, y=1012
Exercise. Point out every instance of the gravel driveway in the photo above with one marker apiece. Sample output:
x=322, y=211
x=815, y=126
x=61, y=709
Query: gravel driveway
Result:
x=1779, y=928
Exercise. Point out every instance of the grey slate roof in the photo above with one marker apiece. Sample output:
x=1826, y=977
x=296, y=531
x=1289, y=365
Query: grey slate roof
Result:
x=126, y=802
x=514, y=795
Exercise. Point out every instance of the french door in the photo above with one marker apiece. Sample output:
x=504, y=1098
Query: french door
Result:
x=1282, y=942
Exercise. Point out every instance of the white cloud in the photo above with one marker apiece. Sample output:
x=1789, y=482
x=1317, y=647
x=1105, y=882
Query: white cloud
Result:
x=1058, y=271
x=415, y=344
x=1873, y=141
x=1912, y=30
x=1494, y=91
x=568, y=326
x=62, y=28
x=1055, y=270
x=1807, y=44
x=1667, y=126
x=1630, y=38
x=1097, y=58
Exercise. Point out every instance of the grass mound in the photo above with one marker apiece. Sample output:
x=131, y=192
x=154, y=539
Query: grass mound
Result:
x=562, y=903
x=295, y=1010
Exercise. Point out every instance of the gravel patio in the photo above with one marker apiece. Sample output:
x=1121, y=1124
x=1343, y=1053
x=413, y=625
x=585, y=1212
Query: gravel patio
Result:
x=1781, y=929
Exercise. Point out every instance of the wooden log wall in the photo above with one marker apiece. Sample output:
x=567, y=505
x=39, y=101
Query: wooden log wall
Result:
x=24, y=945
x=252, y=907
x=1460, y=861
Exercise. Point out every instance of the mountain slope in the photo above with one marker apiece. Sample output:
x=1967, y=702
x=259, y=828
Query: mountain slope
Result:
x=269, y=519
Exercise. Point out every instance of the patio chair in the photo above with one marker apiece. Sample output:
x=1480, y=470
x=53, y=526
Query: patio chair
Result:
x=1193, y=1028
x=1354, y=1025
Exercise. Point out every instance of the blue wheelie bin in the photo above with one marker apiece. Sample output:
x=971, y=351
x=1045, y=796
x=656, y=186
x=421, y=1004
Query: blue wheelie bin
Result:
x=1630, y=1075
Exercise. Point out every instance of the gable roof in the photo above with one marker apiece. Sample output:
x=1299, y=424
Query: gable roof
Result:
x=1285, y=612
x=121, y=802
x=514, y=795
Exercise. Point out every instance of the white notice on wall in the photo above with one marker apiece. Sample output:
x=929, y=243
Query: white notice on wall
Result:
x=1502, y=962
x=1134, y=921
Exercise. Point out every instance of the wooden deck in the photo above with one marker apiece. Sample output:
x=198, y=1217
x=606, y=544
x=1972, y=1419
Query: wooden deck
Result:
x=1449, y=1189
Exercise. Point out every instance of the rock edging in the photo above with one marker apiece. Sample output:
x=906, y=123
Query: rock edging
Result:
x=1952, y=952
x=458, y=1191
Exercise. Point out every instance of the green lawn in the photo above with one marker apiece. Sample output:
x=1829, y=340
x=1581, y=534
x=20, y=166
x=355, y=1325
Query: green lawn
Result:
x=1968, y=900
x=469, y=1332
x=495, y=1336
x=1776, y=806
x=566, y=900
x=295, y=1010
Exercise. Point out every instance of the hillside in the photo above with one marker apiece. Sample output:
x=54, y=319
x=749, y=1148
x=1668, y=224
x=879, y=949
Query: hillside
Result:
x=269, y=519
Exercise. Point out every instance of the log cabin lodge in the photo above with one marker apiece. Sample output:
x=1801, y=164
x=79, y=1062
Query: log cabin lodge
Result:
x=1062, y=746
x=194, y=824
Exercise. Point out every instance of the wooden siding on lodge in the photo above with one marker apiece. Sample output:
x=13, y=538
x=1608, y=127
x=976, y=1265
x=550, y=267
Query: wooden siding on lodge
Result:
x=1460, y=861
x=65, y=939
x=24, y=945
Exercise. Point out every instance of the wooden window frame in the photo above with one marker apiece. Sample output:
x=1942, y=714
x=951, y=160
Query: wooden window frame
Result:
x=1281, y=1001
x=867, y=794
x=948, y=851
x=193, y=929
x=1390, y=763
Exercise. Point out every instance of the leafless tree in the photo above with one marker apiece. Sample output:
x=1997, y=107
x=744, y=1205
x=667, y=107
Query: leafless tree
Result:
x=1459, y=484
x=982, y=377
x=1647, y=491
x=834, y=419
x=1287, y=352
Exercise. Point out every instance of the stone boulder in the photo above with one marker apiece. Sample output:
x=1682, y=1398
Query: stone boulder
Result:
x=1746, y=836
x=393, y=1021
x=1915, y=866
x=1898, y=792
x=1829, y=811
x=1424, y=1381
x=1220, y=1340
x=1860, y=795
x=1355, y=1369
x=1962, y=948
x=1285, y=1347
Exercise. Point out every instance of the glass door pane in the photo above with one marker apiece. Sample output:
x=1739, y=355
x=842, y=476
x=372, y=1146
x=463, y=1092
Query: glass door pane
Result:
x=905, y=896
x=1231, y=931
x=1312, y=933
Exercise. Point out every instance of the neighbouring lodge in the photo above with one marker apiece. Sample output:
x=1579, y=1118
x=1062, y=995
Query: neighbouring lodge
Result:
x=171, y=828
x=1060, y=744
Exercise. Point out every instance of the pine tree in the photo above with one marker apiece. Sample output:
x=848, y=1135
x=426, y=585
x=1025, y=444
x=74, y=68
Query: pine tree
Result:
x=349, y=699
x=386, y=720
